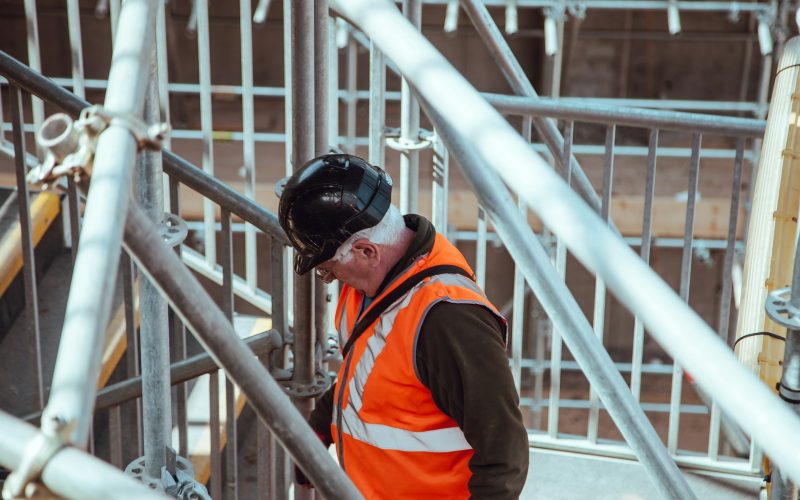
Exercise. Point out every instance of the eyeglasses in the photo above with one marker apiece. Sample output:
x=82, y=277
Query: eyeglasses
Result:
x=324, y=275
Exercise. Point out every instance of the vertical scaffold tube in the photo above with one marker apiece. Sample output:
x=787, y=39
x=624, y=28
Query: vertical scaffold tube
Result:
x=153, y=329
x=89, y=303
x=303, y=146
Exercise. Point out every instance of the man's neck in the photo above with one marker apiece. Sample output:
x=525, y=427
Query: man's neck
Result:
x=393, y=254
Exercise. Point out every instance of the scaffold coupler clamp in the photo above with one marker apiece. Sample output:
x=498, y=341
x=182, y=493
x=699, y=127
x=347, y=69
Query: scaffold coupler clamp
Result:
x=404, y=145
x=70, y=145
x=49, y=441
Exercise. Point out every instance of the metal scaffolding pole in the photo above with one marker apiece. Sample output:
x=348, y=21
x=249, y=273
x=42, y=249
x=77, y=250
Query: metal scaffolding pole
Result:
x=248, y=144
x=92, y=288
x=204, y=318
x=409, y=127
x=322, y=312
x=377, y=107
x=519, y=82
x=494, y=143
x=563, y=109
x=303, y=114
x=153, y=328
x=303, y=147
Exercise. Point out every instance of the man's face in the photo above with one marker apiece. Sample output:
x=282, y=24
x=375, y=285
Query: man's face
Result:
x=356, y=269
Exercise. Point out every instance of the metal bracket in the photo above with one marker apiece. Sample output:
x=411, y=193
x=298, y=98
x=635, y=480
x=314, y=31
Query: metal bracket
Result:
x=780, y=309
x=173, y=229
x=322, y=382
x=397, y=143
x=71, y=145
x=577, y=10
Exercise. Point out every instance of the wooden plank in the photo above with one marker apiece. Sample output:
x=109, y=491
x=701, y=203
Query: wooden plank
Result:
x=44, y=210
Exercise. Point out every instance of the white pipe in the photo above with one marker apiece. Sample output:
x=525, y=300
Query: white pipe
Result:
x=92, y=287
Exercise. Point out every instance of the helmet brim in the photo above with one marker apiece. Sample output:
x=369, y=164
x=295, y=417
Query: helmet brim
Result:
x=303, y=263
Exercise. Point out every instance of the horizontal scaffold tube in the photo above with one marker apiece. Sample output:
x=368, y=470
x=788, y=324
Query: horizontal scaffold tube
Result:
x=682, y=333
x=566, y=109
x=212, y=329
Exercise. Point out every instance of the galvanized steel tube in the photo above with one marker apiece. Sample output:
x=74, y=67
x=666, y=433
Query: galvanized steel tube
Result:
x=735, y=437
x=28, y=254
x=566, y=109
x=34, y=56
x=553, y=410
x=409, y=127
x=153, y=327
x=322, y=304
x=248, y=144
x=303, y=145
x=351, y=99
x=377, y=107
x=206, y=124
x=303, y=148
x=76, y=52
x=599, y=310
x=91, y=290
x=206, y=320
x=231, y=443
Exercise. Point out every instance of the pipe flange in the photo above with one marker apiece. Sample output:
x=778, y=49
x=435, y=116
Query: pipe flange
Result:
x=322, y=382
x=177, y=478
x=780, y=309
x=173, y=229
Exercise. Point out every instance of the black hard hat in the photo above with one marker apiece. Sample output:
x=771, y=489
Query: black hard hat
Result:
x=326, y=201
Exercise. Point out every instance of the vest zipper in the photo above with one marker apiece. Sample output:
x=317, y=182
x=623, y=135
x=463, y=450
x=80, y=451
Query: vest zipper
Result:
x=340, y=447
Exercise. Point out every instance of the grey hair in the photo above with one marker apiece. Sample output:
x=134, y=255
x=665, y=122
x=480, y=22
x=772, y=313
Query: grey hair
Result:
x=386, y=232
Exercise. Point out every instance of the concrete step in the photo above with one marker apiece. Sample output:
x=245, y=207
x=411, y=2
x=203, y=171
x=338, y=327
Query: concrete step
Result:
x=17, y=353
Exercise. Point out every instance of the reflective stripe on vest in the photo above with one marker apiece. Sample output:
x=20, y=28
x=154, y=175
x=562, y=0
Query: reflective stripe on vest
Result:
x=392, y=438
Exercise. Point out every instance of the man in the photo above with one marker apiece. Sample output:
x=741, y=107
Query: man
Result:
x=424, y=405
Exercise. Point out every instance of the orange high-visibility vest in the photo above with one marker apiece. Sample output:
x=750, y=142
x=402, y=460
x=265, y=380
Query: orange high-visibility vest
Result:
x=391, y=438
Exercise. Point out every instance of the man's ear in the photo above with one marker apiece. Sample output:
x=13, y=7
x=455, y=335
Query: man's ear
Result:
x=367, y=248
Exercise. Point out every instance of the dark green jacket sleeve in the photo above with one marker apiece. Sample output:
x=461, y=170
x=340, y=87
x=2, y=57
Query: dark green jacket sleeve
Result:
x=461, y=358
x=322, y=415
